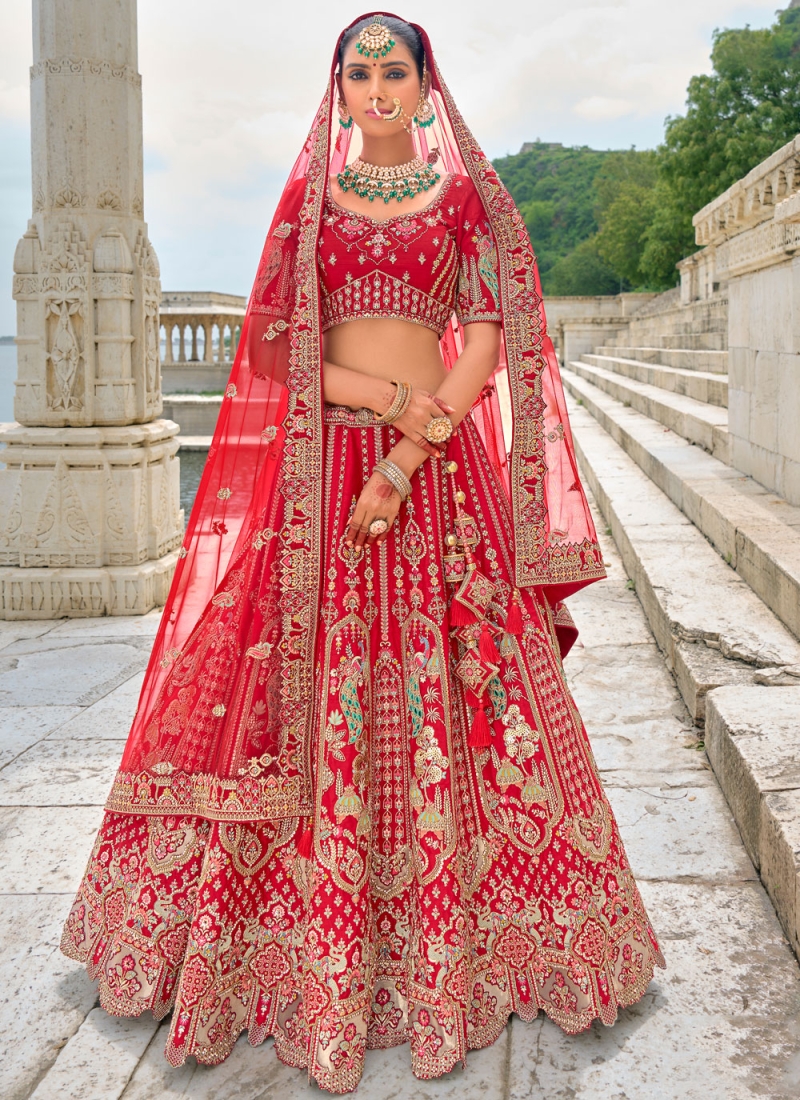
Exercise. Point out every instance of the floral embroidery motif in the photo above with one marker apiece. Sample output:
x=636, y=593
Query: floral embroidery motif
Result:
x=496, y=877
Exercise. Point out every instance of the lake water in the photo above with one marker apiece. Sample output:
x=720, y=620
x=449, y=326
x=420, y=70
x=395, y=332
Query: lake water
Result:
x=191, y=461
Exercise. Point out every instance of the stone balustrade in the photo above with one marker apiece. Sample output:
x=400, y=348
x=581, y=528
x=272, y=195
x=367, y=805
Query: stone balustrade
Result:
x=753, y=199
x=200, y=333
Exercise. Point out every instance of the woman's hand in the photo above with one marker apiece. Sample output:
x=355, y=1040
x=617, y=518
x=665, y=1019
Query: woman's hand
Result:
x=422, y=408
x=378, y=500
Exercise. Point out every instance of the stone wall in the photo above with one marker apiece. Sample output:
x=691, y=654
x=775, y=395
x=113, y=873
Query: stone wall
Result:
x=751, y=245
x=578, y=324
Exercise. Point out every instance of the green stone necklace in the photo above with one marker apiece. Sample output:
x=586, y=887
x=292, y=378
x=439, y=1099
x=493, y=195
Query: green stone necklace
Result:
x=401, y=181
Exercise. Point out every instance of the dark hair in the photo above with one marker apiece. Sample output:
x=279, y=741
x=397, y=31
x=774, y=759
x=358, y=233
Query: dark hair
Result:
x=401, y=30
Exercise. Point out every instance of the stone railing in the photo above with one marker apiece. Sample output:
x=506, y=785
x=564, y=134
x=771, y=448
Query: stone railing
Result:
x=752, y=200
x=752, y=225
x=200, y=333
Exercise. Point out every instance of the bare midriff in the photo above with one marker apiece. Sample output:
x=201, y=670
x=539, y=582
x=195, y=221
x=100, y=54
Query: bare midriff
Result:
x=387, y=348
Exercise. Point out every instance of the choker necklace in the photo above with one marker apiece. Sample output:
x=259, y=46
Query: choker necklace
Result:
x=372, y=181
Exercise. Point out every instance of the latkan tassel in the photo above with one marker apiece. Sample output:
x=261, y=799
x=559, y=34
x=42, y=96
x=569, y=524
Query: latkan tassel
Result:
x=304, y=844
x=460, y=614
x=480, y=734
x=514, y=614
x=486, y=646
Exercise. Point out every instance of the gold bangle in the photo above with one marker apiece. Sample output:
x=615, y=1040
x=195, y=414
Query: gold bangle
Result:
x=402, y=399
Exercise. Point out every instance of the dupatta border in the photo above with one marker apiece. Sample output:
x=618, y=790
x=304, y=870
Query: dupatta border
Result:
x=301, y=534
x=537, y=560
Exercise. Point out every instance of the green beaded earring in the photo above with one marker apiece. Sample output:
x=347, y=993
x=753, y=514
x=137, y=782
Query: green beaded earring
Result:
x=345, y=118
x=425, y=115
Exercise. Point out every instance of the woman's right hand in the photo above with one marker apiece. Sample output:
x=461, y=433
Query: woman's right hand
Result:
x=422, y=408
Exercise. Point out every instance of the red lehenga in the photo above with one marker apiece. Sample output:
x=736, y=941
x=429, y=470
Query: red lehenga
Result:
x=357, y=806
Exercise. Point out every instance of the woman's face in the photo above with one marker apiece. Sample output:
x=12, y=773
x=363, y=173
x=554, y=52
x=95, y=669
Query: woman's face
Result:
x=365, y=79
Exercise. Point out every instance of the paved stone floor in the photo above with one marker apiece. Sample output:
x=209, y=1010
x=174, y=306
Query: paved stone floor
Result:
x=722, y=1023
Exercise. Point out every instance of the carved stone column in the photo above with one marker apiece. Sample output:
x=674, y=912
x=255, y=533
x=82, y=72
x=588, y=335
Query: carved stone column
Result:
x=90, y=520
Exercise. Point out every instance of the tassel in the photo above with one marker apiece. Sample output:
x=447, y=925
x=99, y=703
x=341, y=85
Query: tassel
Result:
x=461, y=615
x=480, y=734
x=304, y=844
x=486, y=646
x=514, y=615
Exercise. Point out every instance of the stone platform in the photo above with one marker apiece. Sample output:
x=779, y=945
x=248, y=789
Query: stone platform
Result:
x=722, y=1022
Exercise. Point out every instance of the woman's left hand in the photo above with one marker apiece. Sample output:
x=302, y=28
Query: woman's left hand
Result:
x=378, y=500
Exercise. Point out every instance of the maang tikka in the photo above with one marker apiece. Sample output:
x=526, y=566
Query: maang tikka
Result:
x=375, y=40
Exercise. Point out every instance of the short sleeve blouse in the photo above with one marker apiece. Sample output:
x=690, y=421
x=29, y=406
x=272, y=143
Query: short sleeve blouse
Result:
x=420, y=267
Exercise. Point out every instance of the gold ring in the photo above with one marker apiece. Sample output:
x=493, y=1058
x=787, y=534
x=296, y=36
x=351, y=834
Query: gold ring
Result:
x=439, y=429
x=378, y=527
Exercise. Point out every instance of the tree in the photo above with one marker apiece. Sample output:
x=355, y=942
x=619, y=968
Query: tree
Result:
x=625, y=208
x=583, y=271
x=554, y=189
x=738, y=116
x=605, y=222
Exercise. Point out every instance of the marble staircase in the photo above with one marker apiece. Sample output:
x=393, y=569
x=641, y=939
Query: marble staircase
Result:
x=714, y=558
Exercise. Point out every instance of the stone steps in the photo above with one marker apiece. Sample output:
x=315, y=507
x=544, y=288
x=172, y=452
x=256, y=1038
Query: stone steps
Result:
x=753, y=742
x=706, y=618
x=699, y=423
x=694, y=341
x=713, y=362
x=729, y=654
x=711, y=389
x=754, y=530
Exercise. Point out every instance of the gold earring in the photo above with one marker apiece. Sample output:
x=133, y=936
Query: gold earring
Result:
x=345, y=118
x=425, y=115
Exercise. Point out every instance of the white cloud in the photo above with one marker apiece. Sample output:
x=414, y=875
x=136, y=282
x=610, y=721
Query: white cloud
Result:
x=229, y=94
x=599, y=107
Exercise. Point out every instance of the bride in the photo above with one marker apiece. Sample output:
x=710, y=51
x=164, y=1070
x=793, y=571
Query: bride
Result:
x=357, y=806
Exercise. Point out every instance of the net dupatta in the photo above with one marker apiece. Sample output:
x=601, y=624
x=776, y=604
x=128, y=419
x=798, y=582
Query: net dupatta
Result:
x=256, y=524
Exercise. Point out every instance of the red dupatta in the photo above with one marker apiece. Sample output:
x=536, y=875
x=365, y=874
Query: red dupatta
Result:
x=256, y=521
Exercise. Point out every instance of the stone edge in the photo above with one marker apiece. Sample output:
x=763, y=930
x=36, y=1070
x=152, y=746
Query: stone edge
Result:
x=768, y=819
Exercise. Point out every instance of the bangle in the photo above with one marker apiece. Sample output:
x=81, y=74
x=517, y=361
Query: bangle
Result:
x=402, y=399
x=394, y=475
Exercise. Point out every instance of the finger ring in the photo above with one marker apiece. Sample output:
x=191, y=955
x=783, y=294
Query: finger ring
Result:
x=378, y=527
x=439, y=429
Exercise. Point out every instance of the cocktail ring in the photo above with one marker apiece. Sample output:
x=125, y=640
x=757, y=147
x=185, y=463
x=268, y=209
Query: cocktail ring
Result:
x=439, y=429
x=378, y=527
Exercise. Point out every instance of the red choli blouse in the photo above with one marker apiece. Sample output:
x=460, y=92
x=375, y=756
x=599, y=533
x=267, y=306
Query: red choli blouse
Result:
x=419, y=267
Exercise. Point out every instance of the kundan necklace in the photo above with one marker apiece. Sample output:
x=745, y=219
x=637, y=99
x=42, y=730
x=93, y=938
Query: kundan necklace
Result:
x=400, y=181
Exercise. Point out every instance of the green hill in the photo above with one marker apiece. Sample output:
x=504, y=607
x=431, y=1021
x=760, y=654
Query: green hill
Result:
x=554, y=187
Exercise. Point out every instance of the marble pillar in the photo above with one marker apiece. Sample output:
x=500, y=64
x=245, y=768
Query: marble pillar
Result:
x=90, y=520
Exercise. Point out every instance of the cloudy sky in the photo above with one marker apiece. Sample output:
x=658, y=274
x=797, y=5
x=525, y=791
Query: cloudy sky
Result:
x=229, y=90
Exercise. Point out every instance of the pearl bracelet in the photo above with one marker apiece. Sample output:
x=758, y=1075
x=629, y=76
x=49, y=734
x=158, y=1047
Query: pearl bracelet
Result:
x=394, y=475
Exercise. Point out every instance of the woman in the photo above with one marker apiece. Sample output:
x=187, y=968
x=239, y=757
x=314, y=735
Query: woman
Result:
x=357, y=806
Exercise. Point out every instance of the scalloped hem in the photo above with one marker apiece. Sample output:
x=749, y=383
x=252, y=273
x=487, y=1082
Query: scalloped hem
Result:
x=422, y=1067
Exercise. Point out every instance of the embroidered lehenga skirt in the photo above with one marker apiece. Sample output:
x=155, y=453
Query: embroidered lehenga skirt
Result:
x=438, y=886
